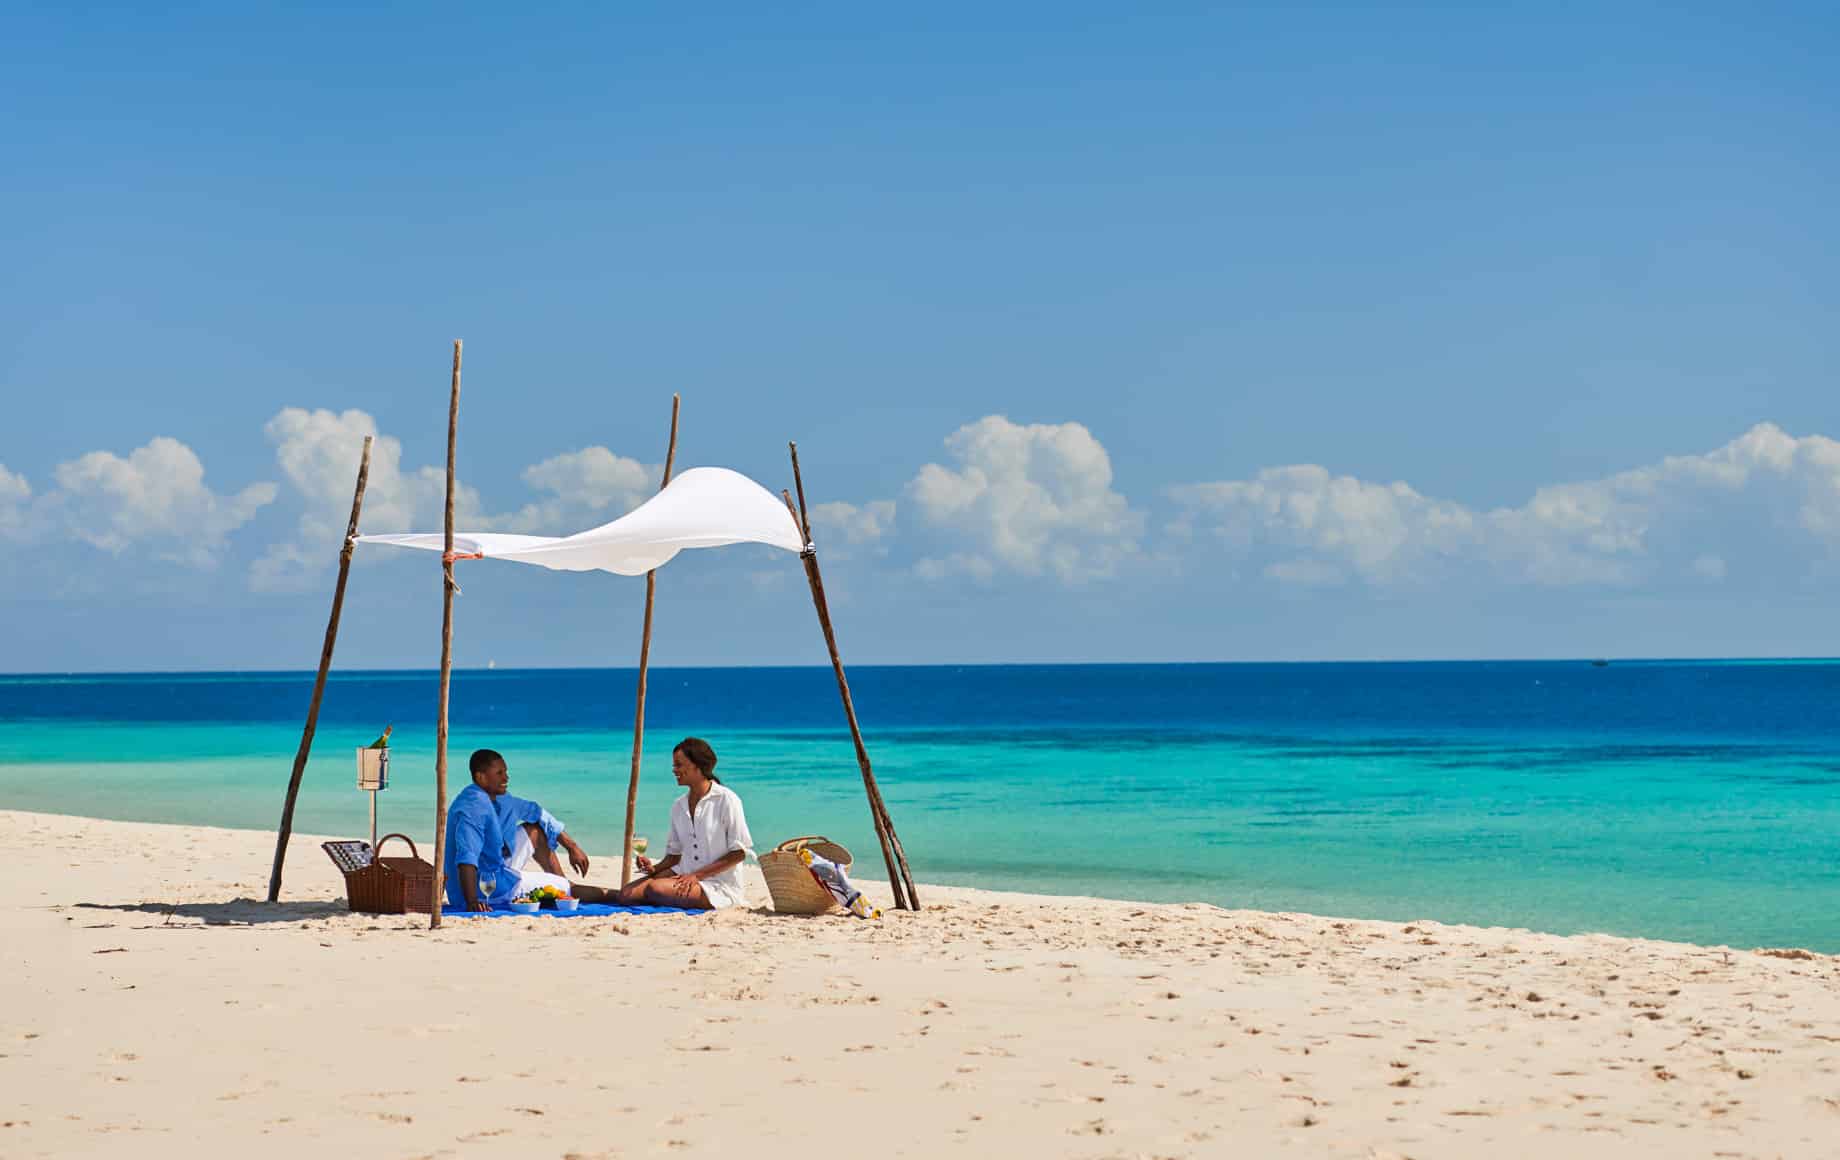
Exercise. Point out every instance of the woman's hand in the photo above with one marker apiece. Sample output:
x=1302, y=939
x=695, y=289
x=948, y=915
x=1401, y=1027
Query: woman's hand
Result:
x=681, y=886
x=644, y=864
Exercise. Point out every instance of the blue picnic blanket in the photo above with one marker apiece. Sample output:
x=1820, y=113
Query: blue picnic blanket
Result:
x=583, y=911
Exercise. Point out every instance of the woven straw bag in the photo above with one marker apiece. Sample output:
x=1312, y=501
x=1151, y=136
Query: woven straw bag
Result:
x=790, y=881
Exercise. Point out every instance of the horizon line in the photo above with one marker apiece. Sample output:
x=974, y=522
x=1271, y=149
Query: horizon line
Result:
x=1591, y=660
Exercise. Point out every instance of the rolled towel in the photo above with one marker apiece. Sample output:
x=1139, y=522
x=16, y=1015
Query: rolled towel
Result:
x=832, y=878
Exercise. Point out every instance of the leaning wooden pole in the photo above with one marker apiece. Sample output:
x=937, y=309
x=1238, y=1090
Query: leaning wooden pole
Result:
x=447, y=658
x=900, y=878
x=645, y=656
x=809, y=557
x=319, y=682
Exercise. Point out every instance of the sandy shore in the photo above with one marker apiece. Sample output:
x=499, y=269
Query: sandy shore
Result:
x=147, y=1007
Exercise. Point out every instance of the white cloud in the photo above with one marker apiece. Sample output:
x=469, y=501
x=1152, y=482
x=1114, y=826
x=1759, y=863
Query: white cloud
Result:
x=586, y=487
x=1764, y=491
x=1377, y=530
x=956, y=564
x=155, y=497
x=1034, y=500
x=1031, y=499
x=856, y=525
x=15, y=496
x=318, y=451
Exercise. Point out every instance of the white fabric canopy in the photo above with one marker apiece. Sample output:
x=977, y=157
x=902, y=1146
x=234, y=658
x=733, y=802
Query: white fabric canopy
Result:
x=705, y=507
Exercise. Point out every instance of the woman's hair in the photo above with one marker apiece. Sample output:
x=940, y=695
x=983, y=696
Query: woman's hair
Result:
x=700, y=755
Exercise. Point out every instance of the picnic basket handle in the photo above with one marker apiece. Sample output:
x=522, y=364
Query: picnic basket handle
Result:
x=413, y=852
x=792, y=843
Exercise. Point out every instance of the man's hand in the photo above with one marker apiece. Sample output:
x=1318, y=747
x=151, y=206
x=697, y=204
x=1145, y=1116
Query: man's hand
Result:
x=469, y=887
x=577, y=858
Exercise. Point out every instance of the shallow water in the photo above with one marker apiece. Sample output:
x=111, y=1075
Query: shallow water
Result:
x=1689, y=800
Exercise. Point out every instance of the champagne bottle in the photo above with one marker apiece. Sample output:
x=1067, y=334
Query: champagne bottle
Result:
x=382, y=742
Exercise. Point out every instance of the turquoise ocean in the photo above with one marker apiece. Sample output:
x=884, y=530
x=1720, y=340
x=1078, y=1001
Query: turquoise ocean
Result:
x=1682, y=800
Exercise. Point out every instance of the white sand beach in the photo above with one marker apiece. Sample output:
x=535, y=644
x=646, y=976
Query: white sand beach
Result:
x=150, y=1007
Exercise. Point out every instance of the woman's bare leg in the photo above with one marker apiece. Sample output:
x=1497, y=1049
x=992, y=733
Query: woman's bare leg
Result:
x=686, y=893
x=594, y=894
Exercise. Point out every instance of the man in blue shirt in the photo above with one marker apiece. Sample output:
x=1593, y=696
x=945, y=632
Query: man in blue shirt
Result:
x=492, y=837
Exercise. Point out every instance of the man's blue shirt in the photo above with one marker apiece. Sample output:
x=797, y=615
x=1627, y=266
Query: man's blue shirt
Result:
x=516, y=811
x=475, y=838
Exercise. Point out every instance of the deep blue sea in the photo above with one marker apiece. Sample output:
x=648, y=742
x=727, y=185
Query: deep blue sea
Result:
x=1684, y=800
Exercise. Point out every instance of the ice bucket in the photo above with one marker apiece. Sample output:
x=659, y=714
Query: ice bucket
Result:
x=373, y=769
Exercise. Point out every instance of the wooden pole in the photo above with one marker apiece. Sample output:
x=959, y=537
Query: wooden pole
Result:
x=447, y=657
x=878, y=815
x=899, y=875
x=645, y=654
x=319, y=682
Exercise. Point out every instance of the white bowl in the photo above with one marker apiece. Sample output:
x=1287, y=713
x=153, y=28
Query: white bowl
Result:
x=567, y=905
x=525, y=907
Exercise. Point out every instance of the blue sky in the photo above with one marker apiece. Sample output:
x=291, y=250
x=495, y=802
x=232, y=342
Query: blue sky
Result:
x=1119, y=330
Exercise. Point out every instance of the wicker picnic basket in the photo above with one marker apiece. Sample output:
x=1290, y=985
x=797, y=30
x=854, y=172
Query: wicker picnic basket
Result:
x=790, y=881
x=391, y=885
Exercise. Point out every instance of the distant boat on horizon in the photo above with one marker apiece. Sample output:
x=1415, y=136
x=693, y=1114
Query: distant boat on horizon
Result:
x=1600, y=663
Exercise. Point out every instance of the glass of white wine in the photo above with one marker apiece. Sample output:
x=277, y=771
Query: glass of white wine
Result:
x=640, y=845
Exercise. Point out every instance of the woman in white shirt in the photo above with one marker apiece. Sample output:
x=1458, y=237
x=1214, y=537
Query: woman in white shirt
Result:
x=701, y=867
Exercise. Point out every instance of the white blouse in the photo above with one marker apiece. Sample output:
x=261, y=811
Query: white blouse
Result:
x=720, y=826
